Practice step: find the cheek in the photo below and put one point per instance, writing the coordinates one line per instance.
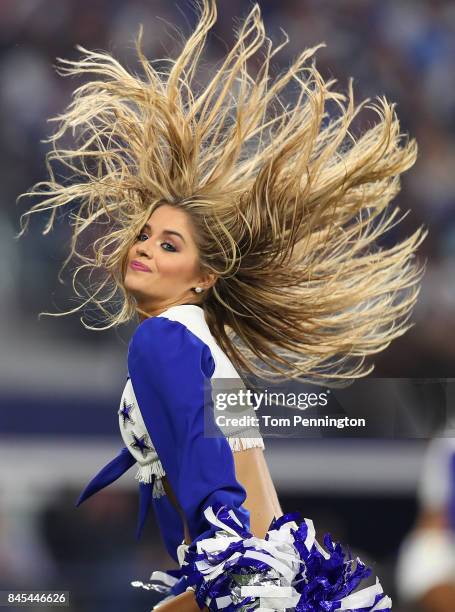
(175, 268)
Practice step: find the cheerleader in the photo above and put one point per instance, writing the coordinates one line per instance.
(239, 231)
(425, 572)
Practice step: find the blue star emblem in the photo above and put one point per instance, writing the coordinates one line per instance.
(125, 412)
(141, 444)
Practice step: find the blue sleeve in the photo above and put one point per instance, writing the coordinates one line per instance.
(169, 366)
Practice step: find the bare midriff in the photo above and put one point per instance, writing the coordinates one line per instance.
(253, 474)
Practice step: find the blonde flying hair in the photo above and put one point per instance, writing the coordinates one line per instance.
(285, 202)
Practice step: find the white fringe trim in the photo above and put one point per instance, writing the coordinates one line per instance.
(238, 444)
(145, 472)
(158, 488)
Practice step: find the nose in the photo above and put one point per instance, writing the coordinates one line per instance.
(144, 248)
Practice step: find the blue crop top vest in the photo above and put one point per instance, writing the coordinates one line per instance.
(161, 420)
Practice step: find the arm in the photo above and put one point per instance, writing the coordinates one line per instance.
(170, 370)
(439, 598)
(185, 602)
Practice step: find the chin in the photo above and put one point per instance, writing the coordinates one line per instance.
(136, 289)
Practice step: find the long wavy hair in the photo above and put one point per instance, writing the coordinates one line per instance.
(287, 205)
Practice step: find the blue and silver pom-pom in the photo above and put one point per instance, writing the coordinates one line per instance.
(287, 570)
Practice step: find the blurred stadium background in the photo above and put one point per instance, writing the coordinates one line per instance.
(60, 384)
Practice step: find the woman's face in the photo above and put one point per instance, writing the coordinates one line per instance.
(166, 249)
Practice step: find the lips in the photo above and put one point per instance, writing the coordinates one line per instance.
(137, 265)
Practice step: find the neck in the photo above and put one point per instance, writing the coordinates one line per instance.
(157, 310)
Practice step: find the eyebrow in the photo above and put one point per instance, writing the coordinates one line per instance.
(166, 231)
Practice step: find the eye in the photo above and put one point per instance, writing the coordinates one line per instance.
(174, 250)
(171, 245)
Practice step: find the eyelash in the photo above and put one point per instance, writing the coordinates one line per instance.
(169, 243)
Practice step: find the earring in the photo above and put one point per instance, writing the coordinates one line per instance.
(198, 289)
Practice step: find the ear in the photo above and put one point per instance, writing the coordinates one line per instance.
(207, 280)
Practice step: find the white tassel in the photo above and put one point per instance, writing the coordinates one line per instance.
(145, 472)
(238, 444)
(158, 488)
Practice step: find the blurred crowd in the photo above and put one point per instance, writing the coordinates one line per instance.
(402, 49)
